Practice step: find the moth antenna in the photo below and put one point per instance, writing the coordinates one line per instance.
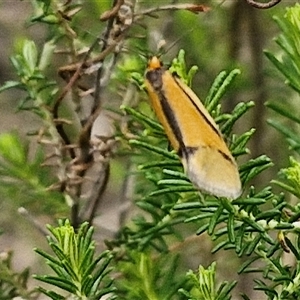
(179, 39)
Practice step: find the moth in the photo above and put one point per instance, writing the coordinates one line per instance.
(192, 132)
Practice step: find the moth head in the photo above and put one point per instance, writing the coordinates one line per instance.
(154, 63)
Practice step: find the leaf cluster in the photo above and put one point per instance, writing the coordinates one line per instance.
(18, 166)
(14, 284)
(77, 270)
(289, 65)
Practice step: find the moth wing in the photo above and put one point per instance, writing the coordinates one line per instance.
(210, 172)
(210, 166)
(194, 134)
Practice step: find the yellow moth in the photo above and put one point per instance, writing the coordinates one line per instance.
(192, 132)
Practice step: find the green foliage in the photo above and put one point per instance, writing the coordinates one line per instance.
(13, 284)
(290, 178)
(17, 168)
(179, 67)
(78, 271)
(290, 134)
(289, 66)
(204, 285)
(145, 277)
(30, 68)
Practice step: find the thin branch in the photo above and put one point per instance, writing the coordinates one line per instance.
(85, 64)
(77, 67)
(40, 227)
(101, 183)
(195, 8)
(269, 4)
(59, 126)
(111, 13)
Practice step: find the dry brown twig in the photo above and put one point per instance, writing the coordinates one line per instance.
(118, 21)
(195, 8)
